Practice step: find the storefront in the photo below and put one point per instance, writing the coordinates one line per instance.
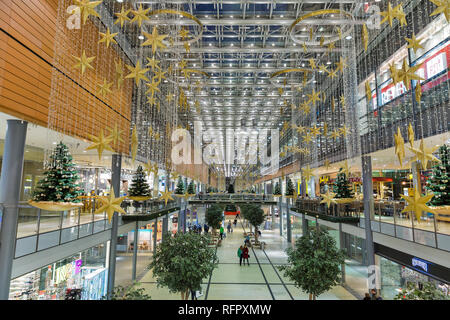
(82, 276)
(397, 269)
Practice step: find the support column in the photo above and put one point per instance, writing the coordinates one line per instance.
(288, 221)
(304, 220)
(272, 225)
(280, 214)
(180, 215)
(135, 251)
(116, 167)
(341, 246)
(155, 235)
(415, 168)
(10, 185)
(368, 215)
(165, 226)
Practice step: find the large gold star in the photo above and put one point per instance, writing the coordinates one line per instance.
(400, 15)
(341, 64)
(134, 143)
(424, 154)
(328, 198)
(307, 173)
(399, 146)
(166, 196)
(137, 73)
(394, 74)
(87, 8)
(407, 74)
(411, 135)
(140, 15)
(314, 130)
(104, 88)
(314, 96)
(100, 143)
(115, 134)
(154, 40)
(414, 43)
(108, 37)
(443, 6)
(388, 15)
(83, 62)
(417, 204)
(122, 16)
(110, 204)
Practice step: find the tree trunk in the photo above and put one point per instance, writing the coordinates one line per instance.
(182, 295)
(187, 294)
(310, 296)
(256, 235)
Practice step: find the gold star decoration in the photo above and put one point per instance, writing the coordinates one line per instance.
(424, 154)
(399, 146)
(310, 34)
(83, 62)
(443, 6)
(305, 49)
(332, 73)
(400, 15)
(166, 196)
(100, 143)
(151, 101)
(365, 36)
(148, 167)
(342, 100)
(323, 68)
(307, 138)
(110, 204)
(153, 63)
(307, 173)
(333, 104)
(170, 97)
(87, 8)
(187, 47)
(325, 129)
(418, 92)
(104, 88)
(314, 130)
(417, 204)
(368, 91)
(119, 73)
(328, 198)
(341, 64)
(312, 63)
(183, 33)
(343, 131)
(122, 16)
(411, 135)
(322, 40)
(305, 107)
(388, 15)
(300, 129)
(331, 46)
(407, 74)
(137, 73)
(152, 87)
(115, 134)
(154, 40)
(394, 74)
(414, 43)
(174, 175)
(140, 15)
(108, 37)
(134, 143)
(335, 134)
(314, 96)
(346, 169)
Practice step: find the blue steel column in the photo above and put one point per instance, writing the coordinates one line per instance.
(304, 220)
(116, 167)
(135, 251)
(288, 221)
(10, 184)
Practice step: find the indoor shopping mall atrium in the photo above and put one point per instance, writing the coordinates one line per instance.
(224, 150)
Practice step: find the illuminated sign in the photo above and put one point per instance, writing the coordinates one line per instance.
(416, 262)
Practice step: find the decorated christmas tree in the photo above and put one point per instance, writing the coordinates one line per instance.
(289, 188)
(277, 188)
(439, 182)
(59, 184)
(191, 188)
(180, 186)
(342, 186)
(139, 186)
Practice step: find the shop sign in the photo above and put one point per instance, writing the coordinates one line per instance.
(416, 262)
(78, 264)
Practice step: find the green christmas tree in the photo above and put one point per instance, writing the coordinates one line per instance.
(342, 186)
(231, 188)
(59, 184)
(139, 186)
(439, 182)
(191, 188)
(289, 188)
(180, 186)
(277, 188)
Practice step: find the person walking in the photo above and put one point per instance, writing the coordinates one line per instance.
(235, 222)
(245, 254)
(229, 230)
(221, 232)
(239, 253)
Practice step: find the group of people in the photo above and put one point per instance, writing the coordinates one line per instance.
(373, 295)
(229, 229)
(243, 254)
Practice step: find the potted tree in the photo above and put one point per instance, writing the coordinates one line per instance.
(191, 188)
(255, 215)
(342, 188)
(214, 217)
(314, 263)
(182, 262)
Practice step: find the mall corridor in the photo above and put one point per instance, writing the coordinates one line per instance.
(261, 280)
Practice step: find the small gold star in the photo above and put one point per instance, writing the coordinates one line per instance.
(154, 40)
(341, 64)
(411, 135)
(100, 143)
(399, 146)
(137, 73)
(104, 88)
(388, 15)
(122, 16)
(166, 196)
(314, 96)
(414, 43)
(108, 37)
(307, 173)
(328, 198)
(134, 144)
(153, 63)
(140, 15)
(110, 204)
(83, 62)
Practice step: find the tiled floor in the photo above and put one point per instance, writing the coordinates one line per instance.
(259, 281)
